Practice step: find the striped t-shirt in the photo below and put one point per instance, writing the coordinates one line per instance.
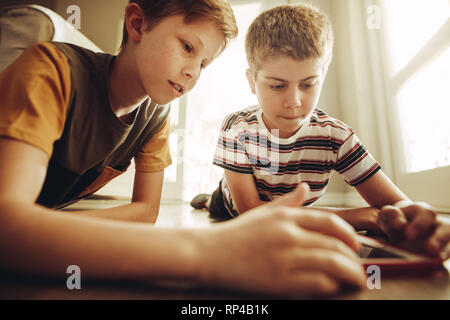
(322, 144)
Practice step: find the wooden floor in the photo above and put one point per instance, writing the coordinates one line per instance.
(182, 215)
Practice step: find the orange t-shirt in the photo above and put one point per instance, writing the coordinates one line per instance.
(54, 97)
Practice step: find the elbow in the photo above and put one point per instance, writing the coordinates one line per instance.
(244, 207)
(12, 208)
(146, 212)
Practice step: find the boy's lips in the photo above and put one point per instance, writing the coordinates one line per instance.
(179, 89)
(292, 118)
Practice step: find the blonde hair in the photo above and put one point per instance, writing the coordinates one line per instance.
(298, 31)
(217, 11)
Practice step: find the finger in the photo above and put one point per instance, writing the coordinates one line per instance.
(403, 203)
(445, 253)
(406, 203)
(295, 198)
(312, 283)
(315, 240)
(412, 209)
(335, 265)
(393, 222)
(364, 219)
(423, 221)
(327, 223)
(439, 242)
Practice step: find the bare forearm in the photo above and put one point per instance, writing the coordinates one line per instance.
(35, 240)
(246, 206)
(365, 218)
(135, 212)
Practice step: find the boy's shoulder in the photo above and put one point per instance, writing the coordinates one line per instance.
(242, 119)
(83, 57)
(40, 52)
(64, 48)
(321, 121)
(67, 55)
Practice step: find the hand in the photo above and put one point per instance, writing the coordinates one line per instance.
(439, 242)
(418, 225)
(283, 250)
(362, 219)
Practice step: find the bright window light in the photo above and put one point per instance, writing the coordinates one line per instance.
(423, 100)
(424, 110)
(410, 24)
(222, 89)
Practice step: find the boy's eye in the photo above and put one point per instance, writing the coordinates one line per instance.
(187, 47)
(307, 85)
(277, 87)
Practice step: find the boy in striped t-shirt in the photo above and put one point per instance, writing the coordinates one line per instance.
(267, 150)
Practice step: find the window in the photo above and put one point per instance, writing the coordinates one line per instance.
(420, 79)
(410, 25)
(424, 107)
(416, 41)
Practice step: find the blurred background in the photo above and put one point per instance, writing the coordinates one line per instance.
(389, 80)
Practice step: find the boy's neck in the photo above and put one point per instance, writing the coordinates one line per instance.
(277, 132)
(124, 88)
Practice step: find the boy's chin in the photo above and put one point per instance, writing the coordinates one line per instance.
(289, 129)
(162, 101)
(292, 124)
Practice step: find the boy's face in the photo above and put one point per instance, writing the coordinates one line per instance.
(170, 57)
(288, 91)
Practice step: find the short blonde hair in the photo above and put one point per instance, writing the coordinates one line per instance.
(298, 31)
(217, 11)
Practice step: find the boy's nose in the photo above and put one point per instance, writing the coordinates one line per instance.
(293, 99)
(192, 72)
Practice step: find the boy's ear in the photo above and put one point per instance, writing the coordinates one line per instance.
(251, 80)
(134, 21)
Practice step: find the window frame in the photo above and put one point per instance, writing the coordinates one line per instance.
(428, 185)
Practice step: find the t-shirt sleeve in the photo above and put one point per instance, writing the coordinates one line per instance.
(34, 96)
(354, 162)
(230, 152)
(155, 155)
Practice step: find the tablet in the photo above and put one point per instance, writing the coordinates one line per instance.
(392, 259)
